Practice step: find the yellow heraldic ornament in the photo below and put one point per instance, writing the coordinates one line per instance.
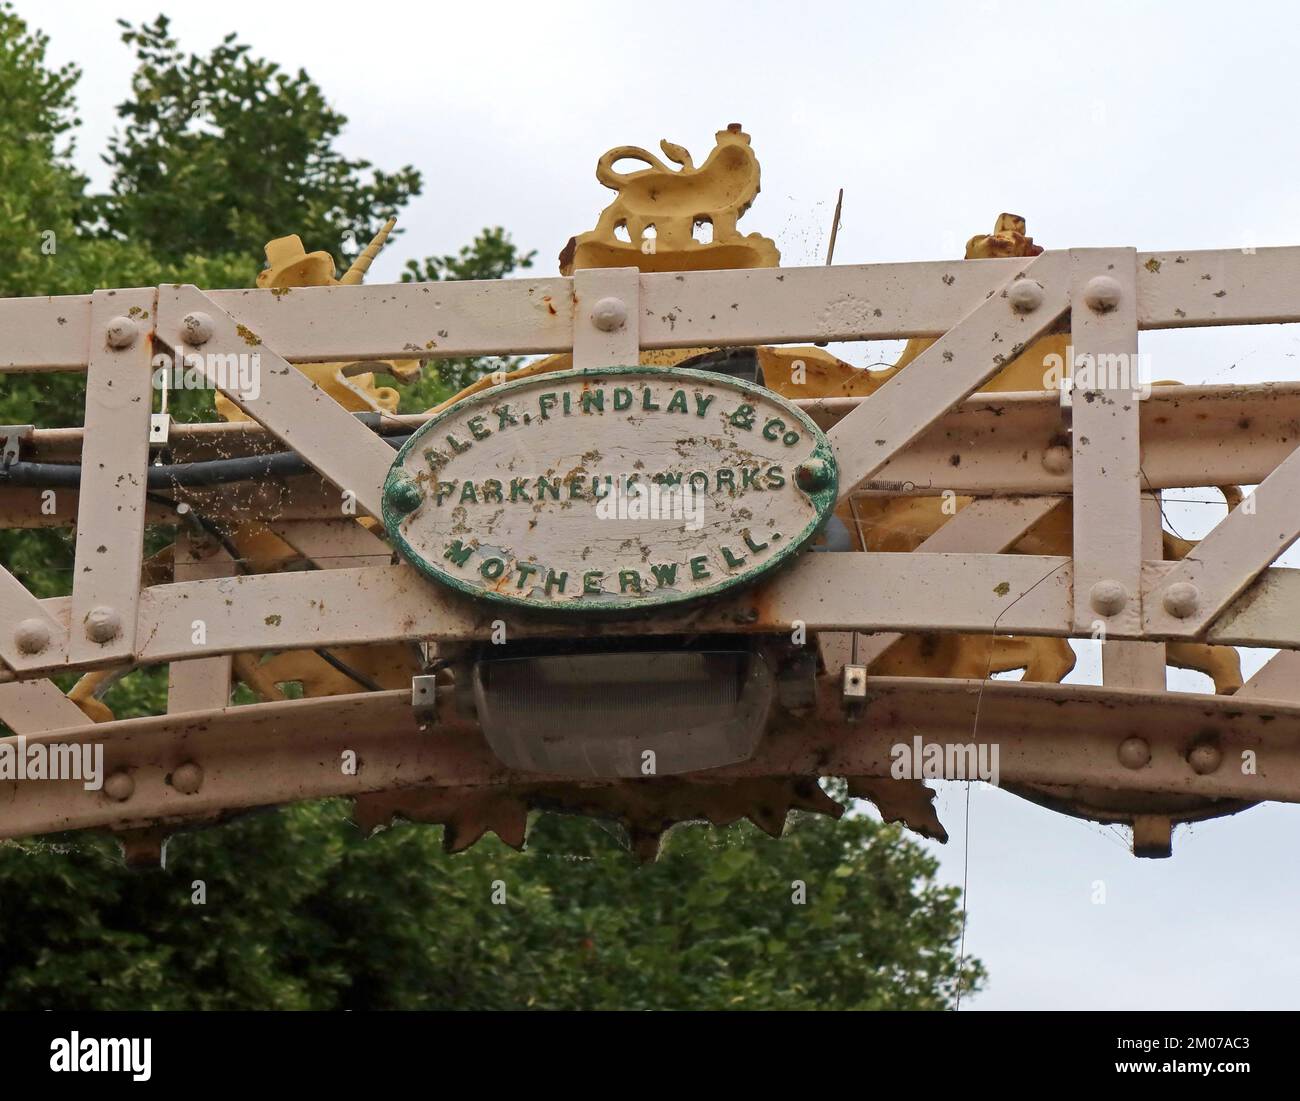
(672, 202)
(289, 267)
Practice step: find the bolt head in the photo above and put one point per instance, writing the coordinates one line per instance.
(1205, 758)
(1025, 295)
(404, 495)
(609, 314)
(1181, 598)
(196, 328)
(1102, 293)
(119, 787)
(812, 475)
(1108, 597)
(31, 636)
(121, 332)
(1057, 459)
(1134, 752)
(103, 624)
(187, 778)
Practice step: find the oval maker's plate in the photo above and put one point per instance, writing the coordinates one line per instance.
(609, 490)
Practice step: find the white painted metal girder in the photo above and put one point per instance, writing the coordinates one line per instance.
(286, 402)
(775, 305)
(987, 525)
(980, 345)
(33, 706)
(114, 458)
(1230, 557)
(263, 754)
(1104, 440)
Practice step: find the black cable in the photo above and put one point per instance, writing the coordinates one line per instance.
(283, 464)
(348, 671)
(740, 362)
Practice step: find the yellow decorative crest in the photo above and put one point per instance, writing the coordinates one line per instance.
(673, 202)
(290, 266)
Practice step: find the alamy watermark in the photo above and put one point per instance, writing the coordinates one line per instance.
(240, 372)
(921, 760)
(82, 761)
(629, 498)
(131, 1055)
(1100, 371)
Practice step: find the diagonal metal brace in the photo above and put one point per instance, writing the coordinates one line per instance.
(284, 400)
(957, 364)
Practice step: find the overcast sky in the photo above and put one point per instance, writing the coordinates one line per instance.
(1151, 125)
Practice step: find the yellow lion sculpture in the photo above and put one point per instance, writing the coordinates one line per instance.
(674, 202)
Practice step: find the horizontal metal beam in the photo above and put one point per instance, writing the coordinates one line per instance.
(963, 593)
(1236, 286)
(771, 305)
(266, 754)
(1011, 444)
(45, 334)
(987, 525)
(1023, 594)
(410, 320)
(991, 444)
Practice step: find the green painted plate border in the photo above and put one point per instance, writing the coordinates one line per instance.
(823, 499)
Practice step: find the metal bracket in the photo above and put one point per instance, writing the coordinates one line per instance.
(853, 692)
(160, 426)
(424, 695)
(11, 437)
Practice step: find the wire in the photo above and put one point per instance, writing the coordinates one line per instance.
(347, 670)
(975, 726)
(208, 473)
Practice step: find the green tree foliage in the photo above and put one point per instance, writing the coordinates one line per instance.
(224, 151)
(220, 153)
(43, 202)
(42, 197)
(301, 913)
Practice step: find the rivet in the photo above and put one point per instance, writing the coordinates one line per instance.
(1102, 293)
(1057, 459)
(404, 494)
(1108, 597)
(1134, 752)
(1026, 295)
(196, 328)
(187, 778)
(812, 475)
(103, 624)
(119, 787)
(1181, 598)
(121, 332)
(31, 636)
(609, 314)
(1205, 758)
